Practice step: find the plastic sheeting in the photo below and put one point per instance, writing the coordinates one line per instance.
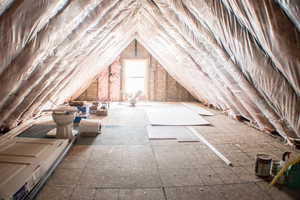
(292, 9)
(240, 56)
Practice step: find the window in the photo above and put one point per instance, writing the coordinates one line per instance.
(135, 71)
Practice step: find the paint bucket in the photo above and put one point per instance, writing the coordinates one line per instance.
(276, 167)
(263, 165)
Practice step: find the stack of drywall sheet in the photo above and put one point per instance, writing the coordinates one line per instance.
(24, 161)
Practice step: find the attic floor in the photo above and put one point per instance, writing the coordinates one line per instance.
(122, 164)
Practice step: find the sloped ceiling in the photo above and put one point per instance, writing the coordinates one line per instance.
(240, 56)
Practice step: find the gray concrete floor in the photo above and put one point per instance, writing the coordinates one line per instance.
(122, 164)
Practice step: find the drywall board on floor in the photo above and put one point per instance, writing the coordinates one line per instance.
(189, 137)
(174, 116)
(136, 105)
(179, 133)
(159, 104)
(196, 107)
(163, 132)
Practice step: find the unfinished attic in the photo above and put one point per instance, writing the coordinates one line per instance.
(150, 99)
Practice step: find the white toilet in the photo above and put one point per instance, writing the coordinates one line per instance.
(64, 122)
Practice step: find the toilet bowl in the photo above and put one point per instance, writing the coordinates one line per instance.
(64, 123)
